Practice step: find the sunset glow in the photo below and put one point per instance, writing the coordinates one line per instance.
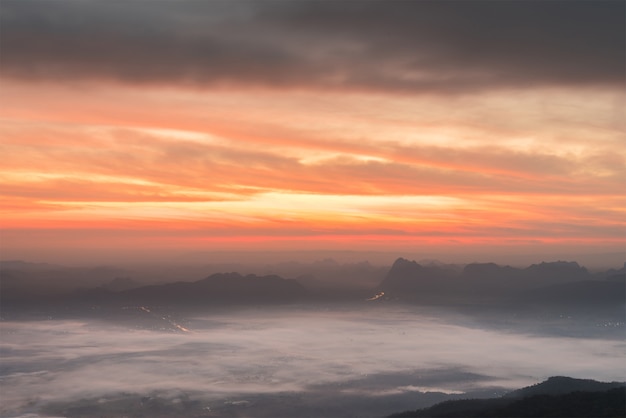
(352, 147)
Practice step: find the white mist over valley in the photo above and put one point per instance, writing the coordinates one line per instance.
(286, 350)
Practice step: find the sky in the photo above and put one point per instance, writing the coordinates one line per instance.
(441, 127)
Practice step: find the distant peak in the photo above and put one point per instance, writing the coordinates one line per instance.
(403, 266)
(562, 379)
(482, 266)
(431, 262)
(326, 262)
(558, 385)
(403, 261)
(557, 264)
(223, 276)
(485, 268)
(558, 267)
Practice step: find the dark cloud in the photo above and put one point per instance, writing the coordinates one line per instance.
(451, 46)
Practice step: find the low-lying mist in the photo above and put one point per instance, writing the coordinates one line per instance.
(363, 359)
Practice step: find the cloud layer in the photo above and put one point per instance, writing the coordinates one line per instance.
(321, 353)
(437, 47)
(312, 124)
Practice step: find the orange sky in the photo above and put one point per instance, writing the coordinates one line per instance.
(101, 163)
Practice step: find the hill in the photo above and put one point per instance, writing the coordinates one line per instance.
(560, 385)
(220, 288)
(556, 284)
(559, 397)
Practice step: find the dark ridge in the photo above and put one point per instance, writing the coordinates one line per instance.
(559, 397)
(220, 288)
(605, 293)
(488, 270)
(560, 385)
(412, 280)
(548, 285)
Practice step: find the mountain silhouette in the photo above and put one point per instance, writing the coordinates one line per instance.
(220, 288)
(408, 279)
(555, 272)
(215, 290)
(589, 293)
(489, 271)
(558, 397)
(547, 285)
(560, 283)
(560, 385)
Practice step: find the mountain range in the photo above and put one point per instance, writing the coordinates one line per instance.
(554, 284)
(559, 284)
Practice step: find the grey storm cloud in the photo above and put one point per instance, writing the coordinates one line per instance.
(445, 47)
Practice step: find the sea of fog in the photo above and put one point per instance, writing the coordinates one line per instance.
(358, 360)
